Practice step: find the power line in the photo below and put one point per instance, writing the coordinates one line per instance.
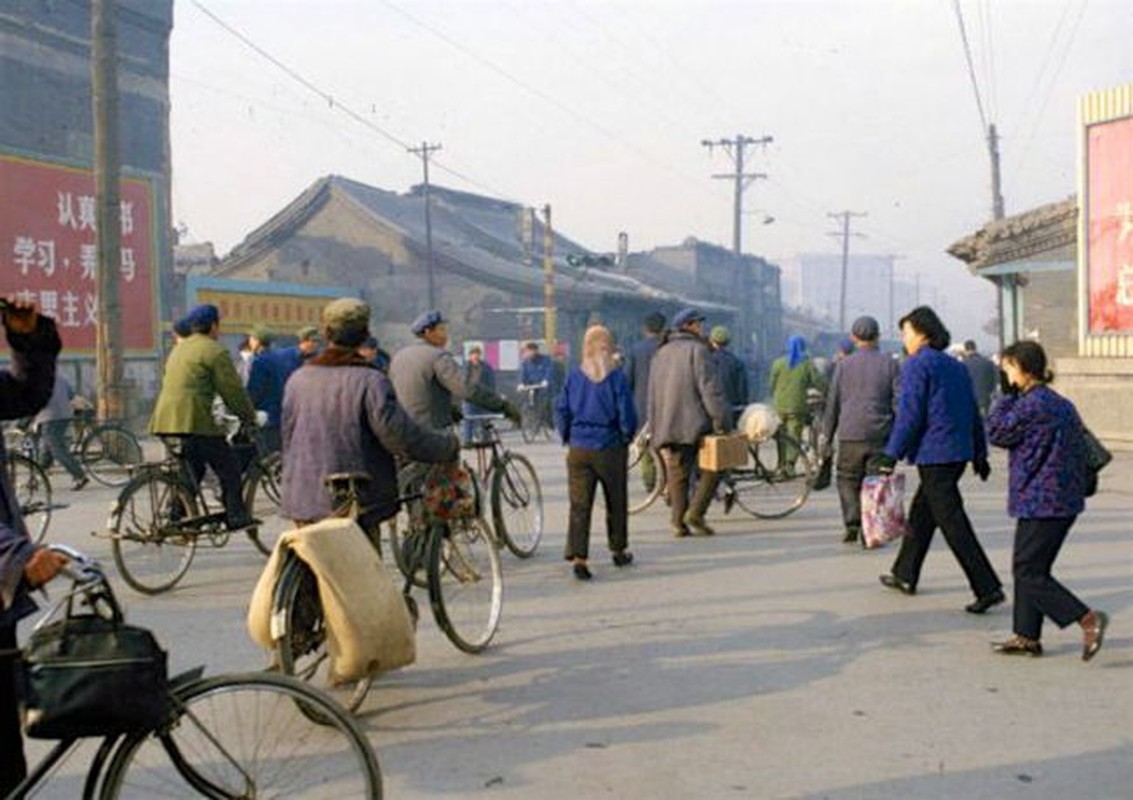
(735, 149)
(971, 67)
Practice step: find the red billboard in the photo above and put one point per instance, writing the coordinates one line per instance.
(49, 251)
(1109, 225)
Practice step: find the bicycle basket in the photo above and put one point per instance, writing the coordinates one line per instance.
(449, 492)
(88, 675)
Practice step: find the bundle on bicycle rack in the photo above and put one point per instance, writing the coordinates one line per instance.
(758, 422)
(449, 492)
(368, 627)
(91, 674)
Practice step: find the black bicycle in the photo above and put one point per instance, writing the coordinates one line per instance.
(535, 411)
(108, 451)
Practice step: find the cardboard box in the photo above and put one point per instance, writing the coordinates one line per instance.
(725, 451)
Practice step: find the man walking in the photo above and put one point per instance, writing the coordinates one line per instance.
(685, 402)
(638, 362)
(53, 423)
(859, 410)
(984, 375)
(733, 373)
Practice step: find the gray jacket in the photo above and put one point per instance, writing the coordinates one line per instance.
(344, 417)
(862, 396)
(59, 406)
(428, 380)
(985, 378)
(686, 397)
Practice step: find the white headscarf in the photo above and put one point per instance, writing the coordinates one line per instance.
(597, 353)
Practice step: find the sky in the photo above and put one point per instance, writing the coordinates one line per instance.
(601, 107)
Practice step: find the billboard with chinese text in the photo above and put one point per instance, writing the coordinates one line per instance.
(49, 250)
(1109, 225)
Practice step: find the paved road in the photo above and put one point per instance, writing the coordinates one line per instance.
(764, 662)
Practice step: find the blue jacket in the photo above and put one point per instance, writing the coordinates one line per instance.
(595, 416)
(1043, 433)
(270, 371)
(937, 419)
(537, 369)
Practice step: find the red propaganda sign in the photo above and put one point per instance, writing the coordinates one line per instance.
(49, 253)
(1109, 225)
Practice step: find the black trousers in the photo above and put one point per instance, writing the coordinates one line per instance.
(680, 461)
(1037, 593)
(213, 451)
(852, 458)
(13, 767)
(586, 469)
(938, 504)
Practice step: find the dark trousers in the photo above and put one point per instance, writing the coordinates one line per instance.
(54, 435)
(1037, 593)
(852, 458)
(13, 767)
(680, 461)
(938, 504)
(213, 451)
(586, 469)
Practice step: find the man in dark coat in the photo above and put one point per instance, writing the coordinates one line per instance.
(24, 389)
(984, 375)
(477, 372)
(639, 359)
(686, 402)
(733, 373)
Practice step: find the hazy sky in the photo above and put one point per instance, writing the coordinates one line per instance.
(599, 108)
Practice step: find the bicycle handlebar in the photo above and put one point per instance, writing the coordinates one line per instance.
(484, 417)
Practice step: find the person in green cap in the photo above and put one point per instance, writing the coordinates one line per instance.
(732, 372)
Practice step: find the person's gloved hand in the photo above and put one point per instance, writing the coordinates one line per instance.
(881, 464)
(511, 411)
(981, 468)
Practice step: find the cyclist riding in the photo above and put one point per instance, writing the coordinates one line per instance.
(537, 372)
(199, 368)
(340, 415)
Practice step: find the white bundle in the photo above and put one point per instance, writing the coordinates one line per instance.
(758, 422)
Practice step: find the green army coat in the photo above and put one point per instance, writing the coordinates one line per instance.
(198, 369)
(789, 386)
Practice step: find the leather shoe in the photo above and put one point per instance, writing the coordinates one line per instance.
(623, 558)
(891, 581)
(582, 572)
(982, 604)
(1093, 636)
(850, 536)
(680, 533)
(1018, 646)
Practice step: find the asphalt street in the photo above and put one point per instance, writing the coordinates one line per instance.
(764, 662)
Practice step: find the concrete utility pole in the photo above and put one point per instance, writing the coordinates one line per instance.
(997, 211)
(845, 235)
(424, 151)
(735, 150)
(111, 401)
(550, 320)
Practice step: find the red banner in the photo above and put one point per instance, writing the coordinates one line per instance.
(49, 253)
(1109, 225)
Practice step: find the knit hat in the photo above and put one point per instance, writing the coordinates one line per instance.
(720, 335)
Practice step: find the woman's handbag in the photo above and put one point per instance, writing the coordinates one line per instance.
(1096, 458)
(883, 509)
(88, 675)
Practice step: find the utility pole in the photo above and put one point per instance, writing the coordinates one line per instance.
(1004, 282)
(424, 151)
(107, 166)
(549, 312)
(845, 234)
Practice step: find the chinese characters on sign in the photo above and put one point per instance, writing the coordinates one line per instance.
(49, 250)
(1109, 225)
(281, 312)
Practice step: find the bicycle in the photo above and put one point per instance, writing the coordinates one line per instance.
(647, 473)
(534, 411)
(162, 513)
(229, 736)
(515, 496)
(457, 560)
(32, 488)
(775, 484)
(108, 451)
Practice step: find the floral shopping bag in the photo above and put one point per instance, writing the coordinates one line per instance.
(883, 509)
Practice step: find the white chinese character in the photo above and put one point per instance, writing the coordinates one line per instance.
(25, 296)
(128, 268)
(126, 210)
(1125, 217)
(1125, 285)
(66, 206)
(69, 314)
(23, 250)
(45, 251)
(88, 260)
(90, 309)
(49, 303)
(87, 213)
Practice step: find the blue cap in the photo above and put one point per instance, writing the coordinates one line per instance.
(685, 316)
(181, 327)
(203, 317)
(430, 319)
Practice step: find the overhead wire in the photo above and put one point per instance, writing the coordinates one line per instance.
(971, 66)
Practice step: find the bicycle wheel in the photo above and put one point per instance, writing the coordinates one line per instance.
(151, 551)
(33, 493)
(646, 479)
(301, 644)
(517, 505)
(243, 736)
(529, 427)
(769, 489)
(466, 583)
(261, 496)
(110, 453)
(406, 542)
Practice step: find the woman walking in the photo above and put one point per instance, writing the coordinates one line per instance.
(1046, 492)
(938, 428)
(596, 420)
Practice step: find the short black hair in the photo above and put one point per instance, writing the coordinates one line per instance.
(654, 322)
(924, 321)
(1031, 359)
(370, 344)
(970, 345)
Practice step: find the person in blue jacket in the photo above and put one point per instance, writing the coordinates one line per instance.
(596, 420)
(938, 428)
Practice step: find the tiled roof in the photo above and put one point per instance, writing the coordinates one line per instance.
(1020, 237)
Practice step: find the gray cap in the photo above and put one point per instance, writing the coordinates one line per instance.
(866, 329)
(347, 313)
